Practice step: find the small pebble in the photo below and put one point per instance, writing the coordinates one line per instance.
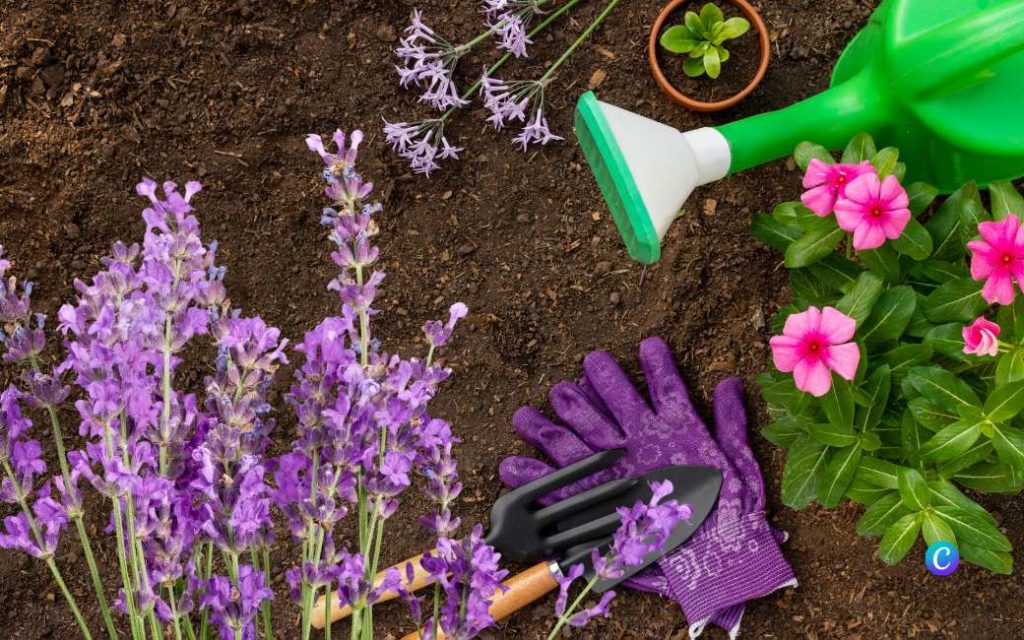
(615, 297)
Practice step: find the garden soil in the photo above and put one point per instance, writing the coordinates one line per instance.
(96, 94)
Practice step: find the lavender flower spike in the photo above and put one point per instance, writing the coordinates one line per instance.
(438, 334)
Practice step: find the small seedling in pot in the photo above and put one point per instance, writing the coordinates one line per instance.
(701, 37)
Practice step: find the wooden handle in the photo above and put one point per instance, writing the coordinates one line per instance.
(522, 590)
(420, 579)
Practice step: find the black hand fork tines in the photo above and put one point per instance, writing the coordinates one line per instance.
(522, 530)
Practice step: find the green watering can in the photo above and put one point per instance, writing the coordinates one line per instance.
(942, 80)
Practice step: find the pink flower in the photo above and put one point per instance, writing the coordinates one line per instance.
(981, 337)
(873, 210)
(998, 258)
(815, 343)
(826, 182)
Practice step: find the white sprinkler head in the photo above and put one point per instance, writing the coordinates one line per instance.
(645, 169)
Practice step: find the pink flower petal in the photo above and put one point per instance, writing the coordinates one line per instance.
(836, 326)
(820, 200)
(787, 351)
(812, 376)
(863, 189)
(998, 288)
(798, 325)
(893, 194)
(817, 173)
(849, 214)
(868, 236)
(894, 222)
(843, 359)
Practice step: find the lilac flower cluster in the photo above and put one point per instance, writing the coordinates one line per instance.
(421, 143)
(508, 102)
(644, 530)
(510, 22)
(428, 61)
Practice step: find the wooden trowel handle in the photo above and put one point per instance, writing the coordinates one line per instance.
(521, 590)
(420, 579)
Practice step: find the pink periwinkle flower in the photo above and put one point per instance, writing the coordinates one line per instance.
(981, 337)
(873, 210)
(998, 258)
(825, 183)
(815, 343)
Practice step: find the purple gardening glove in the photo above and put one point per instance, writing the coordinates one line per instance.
(734, 556)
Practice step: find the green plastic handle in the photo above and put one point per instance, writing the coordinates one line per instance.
(945, 57)
(830, 119)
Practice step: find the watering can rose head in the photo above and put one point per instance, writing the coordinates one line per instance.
(815, 343)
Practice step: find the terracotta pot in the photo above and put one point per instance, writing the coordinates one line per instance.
(652, 54)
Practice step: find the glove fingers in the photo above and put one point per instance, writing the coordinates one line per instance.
(595, 427)
(515, 471)
(668, 391)
(559, 444)
(593, 396)
(610, 382)
(731, 435)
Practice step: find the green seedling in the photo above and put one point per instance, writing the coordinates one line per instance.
(701, 37)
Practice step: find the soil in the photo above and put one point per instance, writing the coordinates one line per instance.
(94, 95)
(737, 71)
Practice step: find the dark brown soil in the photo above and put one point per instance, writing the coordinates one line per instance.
(94, 95)
(737, 71)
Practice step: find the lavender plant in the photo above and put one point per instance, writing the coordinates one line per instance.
(429, 63)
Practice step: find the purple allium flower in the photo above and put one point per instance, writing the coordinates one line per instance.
(421, 143)
(518, 101)
(232, 606)
(428, 62)
(510, 21)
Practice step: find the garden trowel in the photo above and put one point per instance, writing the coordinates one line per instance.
(523, 530)
(939, 79)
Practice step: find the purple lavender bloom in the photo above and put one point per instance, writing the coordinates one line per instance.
(428, 62)
(510, 21)
(438, 334)
(234, 607)
(421, 143)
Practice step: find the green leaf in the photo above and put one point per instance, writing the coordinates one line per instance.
(1009, 446)
(861, 296)
(801, 477)
(883, 261)
(999, 562)
(1005, 199)
(693, 67)
(899, 538)
(947, 225)
(921, 196)
(1010, 319)
(880, 515)
(773, 233)
(931, 415)
(885, 161)
(880, 473)
(833, 435)
(836, 271)
(934, 529)
(951, 441)
(712, 63)
(915, 241)
(838, 403)
(942, 387)
(978, 452)
(972, 212)
(974, 530)
(734, 28)
(710, 15)
(679, 39)
(955, 301)
(876, 391)
(784, 432)
(945, 493)
(906, 356)
(992, 477)
(816, 243)
(870, 441)
(807, 151)
(838, 475)
(912, 436)
(890, 316)
(723, 53)
(947, 339)
(864, 492)
(860, 148)
(1005, 402)
(694, 23)
(938, 271)
(1010, 367)
(913, 489)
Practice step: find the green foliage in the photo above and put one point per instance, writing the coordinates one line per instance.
(921, 420)
(701, 38)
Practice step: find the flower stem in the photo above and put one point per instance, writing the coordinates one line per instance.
(268, 630)
(564, 618)
(174, 611)
(70, 598)
(575, 45)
